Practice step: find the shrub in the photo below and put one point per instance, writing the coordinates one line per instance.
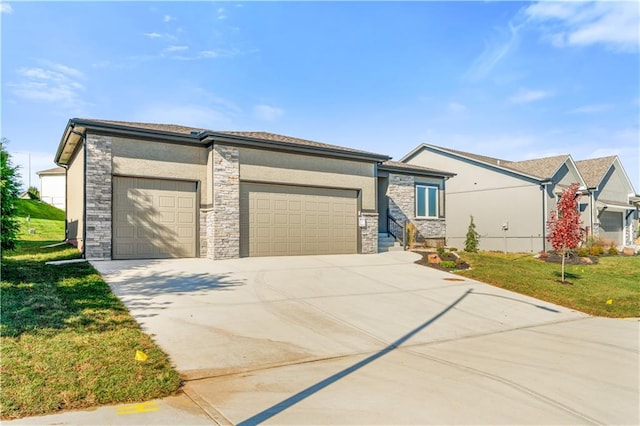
(440, 251)
(596, 250)
(449, 264)
(33, 193)
(472, 238)
(613, 251)
(411, 234)
(583, 252)
(453, 249)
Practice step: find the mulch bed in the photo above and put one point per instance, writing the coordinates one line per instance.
(447, 256)
(571, 259)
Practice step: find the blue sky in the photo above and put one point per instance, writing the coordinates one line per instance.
(513, 80)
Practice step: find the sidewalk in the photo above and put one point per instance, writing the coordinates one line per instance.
(174, 410)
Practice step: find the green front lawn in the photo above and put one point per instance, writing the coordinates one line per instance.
(66, 341)
(615, 279)
(37, 210)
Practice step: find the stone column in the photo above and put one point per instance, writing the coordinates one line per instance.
(369, 234)
(223, 222)
(98, 191)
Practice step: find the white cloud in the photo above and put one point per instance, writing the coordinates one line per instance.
(615, 24)
(56, 83)
(494, 52)
(6, 8)
(176, 49)
(222, 13)
(526, 96)
(153, 35)
(267, 112)
(169, 18)
(456, 107)
(591, 109)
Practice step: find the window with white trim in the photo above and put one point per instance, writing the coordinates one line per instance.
(426, 201)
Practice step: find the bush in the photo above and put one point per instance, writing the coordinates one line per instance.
(33, 193)
(596, 250)
(440, 251)
(613, 251)
(449, 264)
(472, 238)
(453, 249)
(583, 252)
(411, 234)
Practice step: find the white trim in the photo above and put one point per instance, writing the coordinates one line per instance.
(437, 207)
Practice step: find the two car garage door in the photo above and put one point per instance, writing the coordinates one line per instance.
(278, 220)
(155, 218)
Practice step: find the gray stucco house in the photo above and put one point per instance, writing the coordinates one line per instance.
(141, 190)
(613, 204)
(510, 200)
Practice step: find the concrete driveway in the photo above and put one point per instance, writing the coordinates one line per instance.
(376, 339)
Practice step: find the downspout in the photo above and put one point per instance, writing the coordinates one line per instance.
(84, 192)
(66, 199)
(544, 186)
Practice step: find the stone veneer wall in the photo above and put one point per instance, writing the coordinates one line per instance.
(401, 193)
(98, 197)
(369, 235)
(202, 218)
(223, 221)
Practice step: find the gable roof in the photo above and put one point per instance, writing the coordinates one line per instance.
(201, 136)
(398, 167)
(53, 171)
(540, 169)
(593, 170)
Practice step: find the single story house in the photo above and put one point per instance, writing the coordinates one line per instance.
(613, 203)
(510, 201)
(141, 190)
(53, 186)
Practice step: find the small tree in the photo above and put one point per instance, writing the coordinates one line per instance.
(564, 226)
(9, 192)
(472, 239)
(33, 193)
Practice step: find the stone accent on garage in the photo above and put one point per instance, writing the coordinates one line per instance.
(98, 197)
(223, 222)
(401, 193)
(369, 234)
(202, 234)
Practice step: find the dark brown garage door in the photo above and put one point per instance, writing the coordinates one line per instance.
(153, 218)
(278, 220)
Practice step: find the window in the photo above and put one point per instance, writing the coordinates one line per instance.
(426, 201)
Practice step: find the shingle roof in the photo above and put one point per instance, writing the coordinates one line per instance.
(264, 136)
(594, 169)
(542, 167)
(414, 168)
(53, 171)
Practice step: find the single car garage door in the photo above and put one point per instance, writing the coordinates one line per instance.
(153, 218)
(611, 226)
(278, 220)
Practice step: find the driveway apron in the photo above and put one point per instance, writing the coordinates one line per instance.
(376, 339)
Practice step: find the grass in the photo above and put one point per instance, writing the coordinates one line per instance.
(37, 210)
(615, 278)
(66, 341)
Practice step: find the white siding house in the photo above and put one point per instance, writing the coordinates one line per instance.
(52, 187)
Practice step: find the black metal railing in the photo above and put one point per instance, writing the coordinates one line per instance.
(396, 229)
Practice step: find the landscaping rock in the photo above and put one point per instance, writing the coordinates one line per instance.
(433, 258)
(628, 251)
(586, 261)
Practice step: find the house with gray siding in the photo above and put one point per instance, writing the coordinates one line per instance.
(510, 201)
(613, 203)
(145, 190)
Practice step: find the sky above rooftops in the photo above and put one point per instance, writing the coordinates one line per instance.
(512, 80)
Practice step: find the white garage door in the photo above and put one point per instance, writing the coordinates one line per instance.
(611, 226)
(277, 220)
(153, 218)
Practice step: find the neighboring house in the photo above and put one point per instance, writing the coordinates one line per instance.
(613, 211)
(52, 186)
(509, 201)
(140, 190)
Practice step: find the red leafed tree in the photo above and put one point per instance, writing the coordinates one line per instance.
(564, 225)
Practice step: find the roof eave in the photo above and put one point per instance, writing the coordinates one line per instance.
(409, 171)
(213, 137)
